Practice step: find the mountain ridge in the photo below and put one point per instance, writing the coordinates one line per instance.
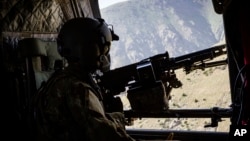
(147, 28)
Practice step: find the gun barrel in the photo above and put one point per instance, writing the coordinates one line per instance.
(213, 52)
(188, 60)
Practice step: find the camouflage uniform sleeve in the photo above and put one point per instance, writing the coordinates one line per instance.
(88, 112)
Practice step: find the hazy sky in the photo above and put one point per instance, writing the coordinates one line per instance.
(106, 3)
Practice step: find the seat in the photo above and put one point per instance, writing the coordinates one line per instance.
(39, 61)
(40, 57)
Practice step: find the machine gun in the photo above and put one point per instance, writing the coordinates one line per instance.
(150, 81)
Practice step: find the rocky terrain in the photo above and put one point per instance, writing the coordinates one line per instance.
(201, 90)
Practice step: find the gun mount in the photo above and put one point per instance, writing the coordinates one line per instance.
(150, 81)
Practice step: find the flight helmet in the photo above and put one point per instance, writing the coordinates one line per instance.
(86, 41)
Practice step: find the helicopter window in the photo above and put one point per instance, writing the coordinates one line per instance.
(147, 28)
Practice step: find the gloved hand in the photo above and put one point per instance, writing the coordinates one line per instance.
(118, 118)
